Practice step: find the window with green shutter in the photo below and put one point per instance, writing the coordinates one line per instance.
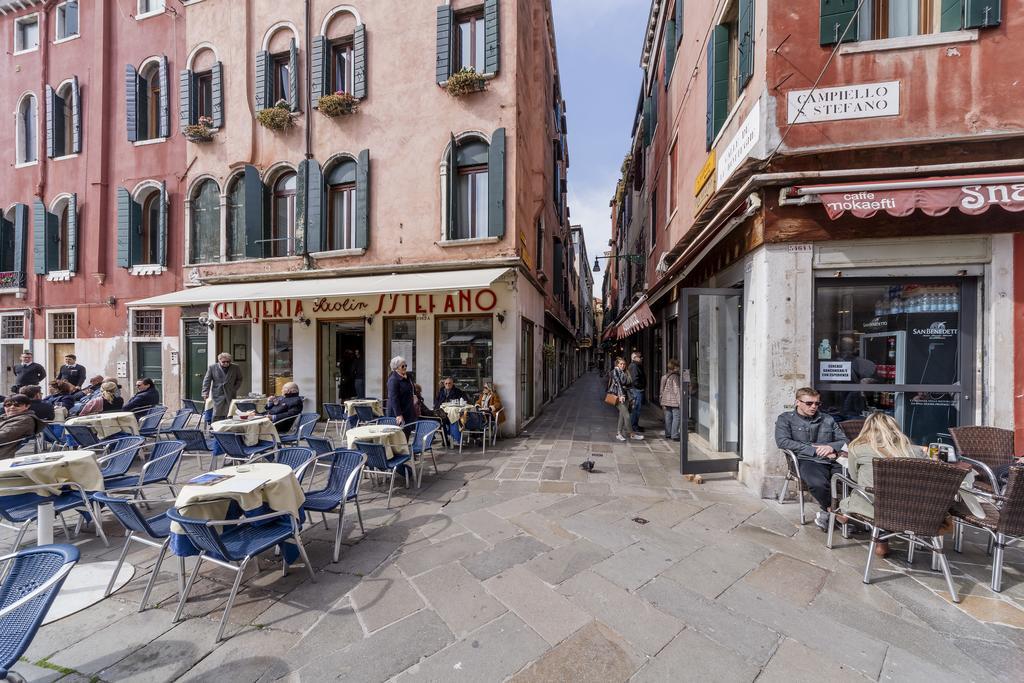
(884, 19)
(468, 186)
(717, 66)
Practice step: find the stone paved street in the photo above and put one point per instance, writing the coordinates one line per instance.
(517, 565)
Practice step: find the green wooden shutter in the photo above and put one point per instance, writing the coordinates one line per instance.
(679, 21)
(53, 245)
(255, 246)
(444, 42)
(450, 190)
(293, 76)
(124, 228)
(492, 37)
(670, 49)
(982, 13)
(951, 15)
(20, 236)
(496, 185)
(131, 87)
(263, 81)
(654, 111)
(165, 99)
(835, 15)
(319, 77)
(217, 88)
(746, 43)
(72, 245)
(359, 74)
(718, 81)
(161, 225)
(648, 128)
(50, 113)
(6, 245)
(185, 98)
(40, 245)
(76, 113)
(363, 200)
(309, 209)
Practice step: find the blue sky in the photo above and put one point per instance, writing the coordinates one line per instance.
(599, 44)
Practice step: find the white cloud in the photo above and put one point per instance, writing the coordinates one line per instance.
(588, 207)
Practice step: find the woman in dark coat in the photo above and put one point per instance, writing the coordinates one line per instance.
(401, 395)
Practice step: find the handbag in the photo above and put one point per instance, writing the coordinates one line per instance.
(611, 398)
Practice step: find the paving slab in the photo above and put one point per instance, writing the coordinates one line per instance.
(788, 578)
(458, 598)
(796, 662)
(362, 557)
(426, 558)
(636, 565)
(692, 656)
(518, 550)
(492, 653)
(712, 569)
(167, 657)
(593, 653)
(383, 598)
(668, 513)
(336, 629)
(600, 532)
(565, 562)
(636, 620)
(301, 608)
(488, 526)
(105, 647)
(544, 529)
(247, 656)
(546, 612)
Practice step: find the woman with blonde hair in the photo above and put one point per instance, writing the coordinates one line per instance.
(620, 382)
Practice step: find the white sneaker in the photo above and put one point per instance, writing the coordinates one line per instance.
(821, 520)
(637, 437)
(620, 437)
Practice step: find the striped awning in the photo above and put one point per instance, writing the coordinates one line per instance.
(637, 318)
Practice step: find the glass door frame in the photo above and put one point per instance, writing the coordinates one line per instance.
(683, 321)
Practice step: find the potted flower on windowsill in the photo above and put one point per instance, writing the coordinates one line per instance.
(465, 81)
(549, 351)
(338, 104)
(201, 131)
(277, 118)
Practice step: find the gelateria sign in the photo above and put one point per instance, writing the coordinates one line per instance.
(457, 302)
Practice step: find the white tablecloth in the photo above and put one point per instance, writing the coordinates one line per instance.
(252, 430)
(107, 424)
(77, 466)
(393, 438)
(279, 489)
(350, 406)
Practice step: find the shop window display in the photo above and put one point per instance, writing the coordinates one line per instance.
(466, 352)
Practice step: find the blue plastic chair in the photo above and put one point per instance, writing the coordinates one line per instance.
(29, 587)
(81, 436)
(304, 426)
(364, 414)
(320, 445)
(178, 421)
(233, 547)
(19, 508)
(53, 437)
(154, 532)
(149, 425)
(421, 442)
(119, 458)
(476, 423)
(378, 463)
(337, 416)
(163, 461)
(197, 408)
(196, 443)
(342, 487)
(296, 458)
(233, 447)
(387, 421)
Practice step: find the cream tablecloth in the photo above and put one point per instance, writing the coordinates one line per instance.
(252, 430)
(279, 490)
(233, 410)
(72, 466)
(454, 411)
(393, 438)
(350, 406)
(107, 424)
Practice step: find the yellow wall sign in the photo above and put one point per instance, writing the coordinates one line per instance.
(707, 171)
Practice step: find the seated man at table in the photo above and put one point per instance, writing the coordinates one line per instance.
(285, 408)
(41, 409)
(61, 394)
(89, 392)
(146, 396)
(17, 424)
(817, 441)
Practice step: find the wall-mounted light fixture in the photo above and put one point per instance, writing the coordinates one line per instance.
(501, 317)
(369, 319)
(205, 322)
(303, 320)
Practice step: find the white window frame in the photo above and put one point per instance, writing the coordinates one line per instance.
(17, 25)
(161, 6)
(57, 22)
(20, 150)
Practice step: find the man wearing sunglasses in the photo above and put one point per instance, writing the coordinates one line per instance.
(817, 441)
(17, 424)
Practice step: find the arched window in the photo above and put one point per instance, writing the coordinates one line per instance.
(63, 118)
(28, 130)
(470, 205)
(277, 72)
(339, 55)
(60, 259)
(282, 229)
(341, 206)
(149, 228)
(149, 102)
(205, 223)
(67, 116)
(236, 218)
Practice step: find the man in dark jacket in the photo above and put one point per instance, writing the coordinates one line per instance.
(39, 407)
(89, 392)
(72, 372)
(448, 392)
(817, 441)
(285, 408)
(17, 424)
(146, 396)
(27, 372)
(637, 388)
(222, 381)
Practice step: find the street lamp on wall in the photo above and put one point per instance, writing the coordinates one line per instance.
(632, 258)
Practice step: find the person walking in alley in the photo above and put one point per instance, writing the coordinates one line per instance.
(669, 397)
(817, 441)
(619, 386)
(638, 379)
(222, 382)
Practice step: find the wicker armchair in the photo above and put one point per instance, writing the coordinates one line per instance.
(793, 474)
(1003, 521)
(852, 428)
(912, 496)
(985, 448)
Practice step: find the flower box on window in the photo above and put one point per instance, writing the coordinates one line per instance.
(465, 82)
(277, 118)
(199, 132)
(338, 104)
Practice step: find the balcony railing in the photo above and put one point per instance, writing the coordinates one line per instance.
(12, 279)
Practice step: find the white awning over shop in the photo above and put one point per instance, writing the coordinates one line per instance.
(328, 287)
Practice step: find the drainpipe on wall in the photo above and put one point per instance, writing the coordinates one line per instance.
(44, 74)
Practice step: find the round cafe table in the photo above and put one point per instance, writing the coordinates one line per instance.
(107, 424)
(253, 430)
(392, 438)
(87, 583)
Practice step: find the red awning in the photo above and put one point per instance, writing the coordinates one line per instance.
(636, 319)
(972, 195)
(611, 333)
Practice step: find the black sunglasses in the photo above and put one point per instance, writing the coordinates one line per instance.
(811, 403)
